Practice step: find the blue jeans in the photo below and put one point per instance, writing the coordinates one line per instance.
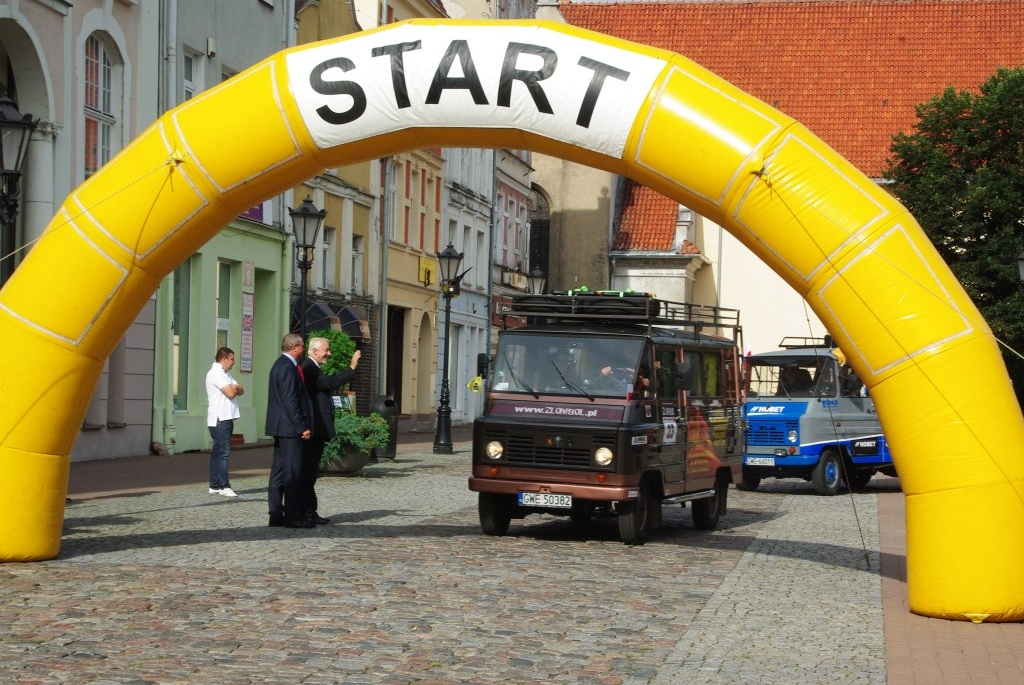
(221, 437)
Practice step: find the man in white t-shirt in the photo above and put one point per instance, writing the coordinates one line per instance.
(222, 392)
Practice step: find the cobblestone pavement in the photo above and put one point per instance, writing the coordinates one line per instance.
(185, 587)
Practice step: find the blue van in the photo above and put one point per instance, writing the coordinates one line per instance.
(808, 416)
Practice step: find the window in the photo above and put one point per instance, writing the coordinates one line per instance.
(100, 118)
(223, 325)
(414, 216)
(182, 286)
(356, 277)
(390, 204)
(189, 75)
(328, 259)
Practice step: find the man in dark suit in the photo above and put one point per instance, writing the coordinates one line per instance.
(321, 388)
(290, 421)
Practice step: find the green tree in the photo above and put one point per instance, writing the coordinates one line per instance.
(961, 174)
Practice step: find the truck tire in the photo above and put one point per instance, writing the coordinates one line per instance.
(634, 518)
(494, 513)
(749, 482)
(706, 512)
(827, 473)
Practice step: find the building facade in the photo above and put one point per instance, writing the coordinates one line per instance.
(86, 71)
(233, 291)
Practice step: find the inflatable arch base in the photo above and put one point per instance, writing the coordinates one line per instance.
(850, 249)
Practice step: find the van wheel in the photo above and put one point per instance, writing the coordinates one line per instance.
(826, 474)
(706, 512)
(494, 513)
(858, 479)
(634, 519)
(749, 482)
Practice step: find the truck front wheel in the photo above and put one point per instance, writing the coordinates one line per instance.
(634, 518)
(827, 473)
(495, 514)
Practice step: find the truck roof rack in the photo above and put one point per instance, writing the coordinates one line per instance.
(604, 306)
(795, 342)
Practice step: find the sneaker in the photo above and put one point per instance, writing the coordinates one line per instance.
(227, 492)
(214, 491)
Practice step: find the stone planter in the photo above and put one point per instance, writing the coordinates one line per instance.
(352, 461)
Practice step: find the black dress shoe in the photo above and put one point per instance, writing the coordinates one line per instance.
(276, 522)
(320, 520)
(299, 524)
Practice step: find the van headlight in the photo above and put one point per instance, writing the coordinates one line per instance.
(603, 456)
(791, 436)
(494, 450)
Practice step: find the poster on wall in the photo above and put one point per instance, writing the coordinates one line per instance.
(245, 365)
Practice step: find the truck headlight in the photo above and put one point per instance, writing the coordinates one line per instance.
(603, 456)
(494, 450)
(791, 436)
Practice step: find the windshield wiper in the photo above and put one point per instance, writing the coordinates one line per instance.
(519, 381)
(569, 384)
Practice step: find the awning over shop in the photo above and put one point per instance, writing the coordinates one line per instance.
(320, 316)
(353, 321)
(348, 318)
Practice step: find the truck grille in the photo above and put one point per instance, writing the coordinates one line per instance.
(766, 434)
(550, 451)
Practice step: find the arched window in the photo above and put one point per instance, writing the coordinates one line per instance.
(102, 102)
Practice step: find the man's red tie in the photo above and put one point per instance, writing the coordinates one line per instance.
(302, 376)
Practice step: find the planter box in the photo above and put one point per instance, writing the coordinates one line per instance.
(351, 462)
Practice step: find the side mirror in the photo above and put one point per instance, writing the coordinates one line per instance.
(483, 362)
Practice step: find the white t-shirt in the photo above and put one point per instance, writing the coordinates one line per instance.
(220, 406)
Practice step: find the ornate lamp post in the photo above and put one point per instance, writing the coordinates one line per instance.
(15, 130)
(306, 222)
(535, 282)
(449, 262)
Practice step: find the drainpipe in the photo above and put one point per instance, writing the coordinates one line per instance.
(164, 430)
(490, 248)
(383, 226)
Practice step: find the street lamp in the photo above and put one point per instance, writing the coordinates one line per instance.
(536, 281)
(306, 222)
(15, 130)
(1020, 266)
(449, 262)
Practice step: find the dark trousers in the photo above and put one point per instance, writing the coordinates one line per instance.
(286, 493)
(312, 450)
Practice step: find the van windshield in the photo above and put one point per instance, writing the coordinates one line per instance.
(788, 377)
(549, 364)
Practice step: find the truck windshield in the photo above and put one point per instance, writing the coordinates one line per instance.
(564, 365)
(792, 377)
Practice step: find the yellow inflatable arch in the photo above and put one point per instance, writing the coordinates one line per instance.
(854, 253)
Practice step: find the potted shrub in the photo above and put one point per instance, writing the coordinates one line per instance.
(349, 450)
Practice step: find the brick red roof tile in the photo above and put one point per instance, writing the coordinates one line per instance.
(852, 71)
(647, 220)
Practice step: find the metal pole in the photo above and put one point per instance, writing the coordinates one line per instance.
(443, 434)
(304, 269)
(8, 218)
